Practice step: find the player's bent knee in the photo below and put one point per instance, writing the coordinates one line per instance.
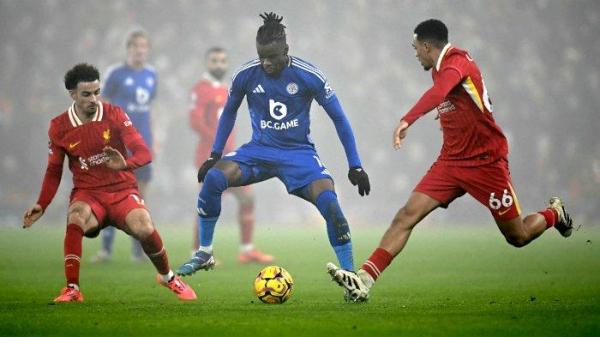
(215, 181)
(516, 241)
(79, 215)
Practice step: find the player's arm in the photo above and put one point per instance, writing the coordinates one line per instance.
(140, 153)
(198, 115)
(325, 96)
(56, 157)
(447, 79)
(226, 123)
(356, 174)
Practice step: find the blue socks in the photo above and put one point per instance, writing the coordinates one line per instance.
(338, 230)
(209, 205)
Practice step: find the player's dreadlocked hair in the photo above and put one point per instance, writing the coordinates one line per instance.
(272, 29)
(433, 31)
(81, 72)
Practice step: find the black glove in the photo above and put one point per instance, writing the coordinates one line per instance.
(210, 162)
(358, 176)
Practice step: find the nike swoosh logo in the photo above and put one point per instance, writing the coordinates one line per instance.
(503, 212)
(72, 145)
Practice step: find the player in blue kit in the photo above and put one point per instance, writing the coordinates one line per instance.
(279, 90)
(132, 86)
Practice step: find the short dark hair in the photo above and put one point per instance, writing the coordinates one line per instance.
(272, 29)
(214, 49)
(433, 31)
(81, 72)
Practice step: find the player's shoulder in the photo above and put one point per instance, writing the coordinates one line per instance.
(455, 54)
(307, 69)
(245, 70)
(111, 111)
(63, 122)
(114, 69)
(150, 69)
(60, 123)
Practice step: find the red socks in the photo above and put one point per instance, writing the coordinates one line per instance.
(377, 263)
(153, 247)
(72, 251)
(550, 215)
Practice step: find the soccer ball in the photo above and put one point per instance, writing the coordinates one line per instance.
(273, 285)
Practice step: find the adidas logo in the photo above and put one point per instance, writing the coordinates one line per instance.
(258, 90)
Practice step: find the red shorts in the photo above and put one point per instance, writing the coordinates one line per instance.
(490, 184)
(110, 207)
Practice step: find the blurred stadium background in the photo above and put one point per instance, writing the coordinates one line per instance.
(539, 60)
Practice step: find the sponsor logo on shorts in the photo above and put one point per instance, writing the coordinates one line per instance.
(503, 212)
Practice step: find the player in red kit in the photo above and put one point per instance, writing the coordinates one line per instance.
(208, 99)
(95, 137)
(473, 160)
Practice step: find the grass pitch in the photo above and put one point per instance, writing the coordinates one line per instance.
(447, 282)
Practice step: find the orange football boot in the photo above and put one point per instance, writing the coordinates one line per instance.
(68, 294)
(255, 256)
(181, 289)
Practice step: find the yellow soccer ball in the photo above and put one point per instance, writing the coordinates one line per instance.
(273, 285)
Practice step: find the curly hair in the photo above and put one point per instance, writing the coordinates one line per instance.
(81, 72)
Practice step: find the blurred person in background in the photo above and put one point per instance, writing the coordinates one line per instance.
(132, 86)
(208, 98)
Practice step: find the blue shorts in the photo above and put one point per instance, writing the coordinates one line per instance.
(144, 173)
(296, 168)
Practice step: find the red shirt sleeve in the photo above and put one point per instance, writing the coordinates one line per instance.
(140, 153)
(56, 157)
(446, 80)
(198, 123)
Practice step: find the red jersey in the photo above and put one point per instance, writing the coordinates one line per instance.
(208, 99)
(471, 136)
(83, 144)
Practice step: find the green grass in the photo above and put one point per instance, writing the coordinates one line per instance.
(448, 282)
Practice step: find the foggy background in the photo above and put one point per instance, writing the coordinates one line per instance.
(540, 61)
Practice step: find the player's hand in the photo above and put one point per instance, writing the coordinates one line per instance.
(115, 161)
(210, 162)
(32, 215)
(358, 176)
(400, 133)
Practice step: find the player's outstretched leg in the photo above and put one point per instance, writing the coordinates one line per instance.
(520, 232)
(139, 225)
(248, 252)
(393, 241)
(209, 209)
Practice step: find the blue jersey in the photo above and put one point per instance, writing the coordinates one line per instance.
(280, 107)
(133, 90)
